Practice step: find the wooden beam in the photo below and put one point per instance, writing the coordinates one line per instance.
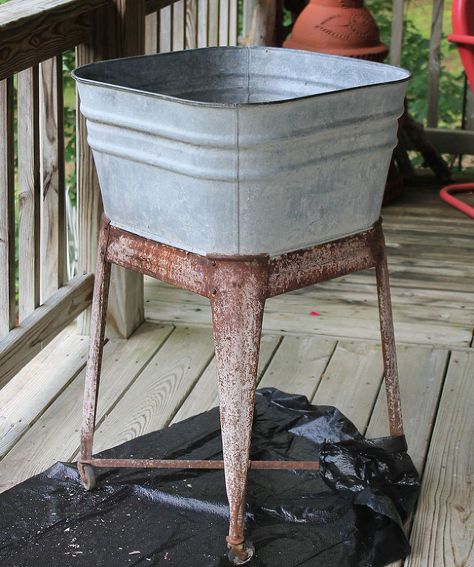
(7, 210)
(448, 141)
(155, 5)
(33, 14)
(32, 31)
(25, 341)
(123, 36)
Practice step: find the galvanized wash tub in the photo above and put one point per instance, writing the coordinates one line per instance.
(245, 151)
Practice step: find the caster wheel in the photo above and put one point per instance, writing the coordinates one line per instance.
(241, 554)
(87, 477)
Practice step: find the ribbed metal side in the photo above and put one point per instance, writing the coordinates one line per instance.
(271, 151)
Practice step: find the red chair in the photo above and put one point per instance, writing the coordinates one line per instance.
(463, 37)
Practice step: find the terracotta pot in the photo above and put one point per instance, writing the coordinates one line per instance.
(340, 27)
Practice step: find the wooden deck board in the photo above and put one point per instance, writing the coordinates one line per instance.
(443, 533)
(205, 396)
(349, 317)
(298, 365)
(154, 397)
(421, 372)
(430, 247)
(55, 435)
(352, 381)
(166, 373)
(33, 389)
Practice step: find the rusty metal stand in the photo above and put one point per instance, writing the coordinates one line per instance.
(237, 288)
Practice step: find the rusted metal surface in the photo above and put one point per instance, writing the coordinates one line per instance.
(239, 290)
(168, 264)
(388, 341)
(237, 287)
(99, 309)
(197, 464)
(240, 553)
(306, 267)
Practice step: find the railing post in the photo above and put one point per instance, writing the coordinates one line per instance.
(118, 31)
(434, 64)
(53, 245)
(469, 123)
(7, 210)
(29, 192)
(259, 22)
(396, 41)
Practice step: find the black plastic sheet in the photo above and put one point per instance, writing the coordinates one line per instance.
(349, 514)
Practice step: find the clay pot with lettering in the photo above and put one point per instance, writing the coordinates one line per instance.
(340, 27)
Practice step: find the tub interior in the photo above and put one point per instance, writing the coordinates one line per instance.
(239, 75)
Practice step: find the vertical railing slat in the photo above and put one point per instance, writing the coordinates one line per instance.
(179, 15)
(166, 29)
(469, 122)
(434, 64)
(396, 41)
(53, 211)
(123, 35)
(7, 210)
(249, 14)
(233, 21)
(151, 33)
(203, 10)
(29, 191)
(263, 22)
(223, 22)
(191, 31)
(213, 23)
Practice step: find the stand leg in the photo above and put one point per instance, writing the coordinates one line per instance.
(237, 301)
(388, 343)
(99, 309)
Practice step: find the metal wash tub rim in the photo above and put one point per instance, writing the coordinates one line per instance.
(77, 76)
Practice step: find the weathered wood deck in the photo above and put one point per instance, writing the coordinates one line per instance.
(165, 372)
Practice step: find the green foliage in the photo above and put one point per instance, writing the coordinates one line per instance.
(415, 54)
(69, 124)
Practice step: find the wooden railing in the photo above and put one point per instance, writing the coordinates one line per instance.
(33, 36)
(446, 140)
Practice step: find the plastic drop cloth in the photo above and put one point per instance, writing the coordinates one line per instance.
(348, 514)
